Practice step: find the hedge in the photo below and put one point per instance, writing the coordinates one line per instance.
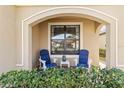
(64, 78)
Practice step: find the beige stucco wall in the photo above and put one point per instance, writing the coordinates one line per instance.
(44, 35)
(116, 11)
(7, 38)
(35, 44)
(89, 36)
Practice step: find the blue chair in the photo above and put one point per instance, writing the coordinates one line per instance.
(45, 59)
(83, 58)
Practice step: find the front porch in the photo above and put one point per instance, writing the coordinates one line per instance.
(35, 33)
(66, 35)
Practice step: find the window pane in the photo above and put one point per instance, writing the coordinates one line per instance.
(65, 39)
(70, 45)
(72, 31)
(57, 32)
(57, 46)
(77, 45)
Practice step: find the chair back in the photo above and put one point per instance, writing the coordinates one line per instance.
(83, 56)
(44, 54)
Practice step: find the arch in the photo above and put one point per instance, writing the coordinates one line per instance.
(78, 11)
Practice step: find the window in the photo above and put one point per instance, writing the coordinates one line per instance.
(65, 39)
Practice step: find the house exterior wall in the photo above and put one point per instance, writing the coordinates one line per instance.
(116, 11)
(7, 38)
(19, 13)
(35, 44)
(89, 35)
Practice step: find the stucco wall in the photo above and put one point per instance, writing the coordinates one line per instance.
(35, 44)
(7, 38)
(89, 35)
(116, 11)
(11, 14)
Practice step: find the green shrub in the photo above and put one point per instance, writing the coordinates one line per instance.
(64, 78)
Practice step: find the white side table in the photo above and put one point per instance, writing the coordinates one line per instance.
(65, 62)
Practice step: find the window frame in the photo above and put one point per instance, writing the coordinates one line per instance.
(65, 24)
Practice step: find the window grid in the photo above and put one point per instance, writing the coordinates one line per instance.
(77, 32)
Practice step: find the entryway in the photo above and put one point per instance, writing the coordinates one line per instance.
(82, 12)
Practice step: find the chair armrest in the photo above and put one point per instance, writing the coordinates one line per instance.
(43, 62)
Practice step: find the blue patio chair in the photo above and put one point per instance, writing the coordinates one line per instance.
(83, 58)
(45, 59)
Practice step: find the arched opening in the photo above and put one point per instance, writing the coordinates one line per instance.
(90, 14)
(89, 38)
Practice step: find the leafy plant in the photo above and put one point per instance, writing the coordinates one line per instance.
(64, 78)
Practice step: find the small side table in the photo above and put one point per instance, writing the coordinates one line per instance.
(65, 62)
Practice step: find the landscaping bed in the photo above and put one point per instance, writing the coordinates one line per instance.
(64, 78)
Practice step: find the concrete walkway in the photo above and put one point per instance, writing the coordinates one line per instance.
(102, 65)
